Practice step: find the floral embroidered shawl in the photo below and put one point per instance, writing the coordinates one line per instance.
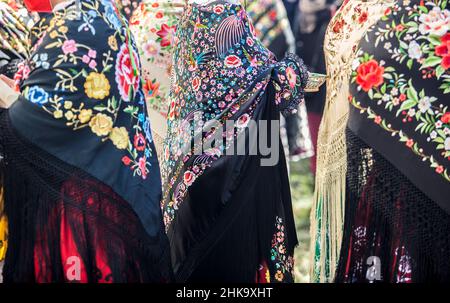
(223, 72)
(400, 93)
(82, 92)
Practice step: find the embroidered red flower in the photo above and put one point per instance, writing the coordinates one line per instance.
(440, 169)
(446, 118)
(139, 142)
(399, 27)
(443, 51)
(196, 83)
(410, 143)
(377, 120)
(338, 26)
(370, 74)
(233, 61)
(218, 9)
(142, 167)
(291, 76)
(250, 42)
(151, 88)
(188, 178)
(126, 78)
(402, 97)
(126, 160)
(167, 34)
(363, 17)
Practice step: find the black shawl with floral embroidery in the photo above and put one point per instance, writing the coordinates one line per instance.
(81, 175)
(397, 217)
(401, 94)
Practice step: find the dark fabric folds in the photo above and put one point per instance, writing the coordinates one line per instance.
(58, 213)
(393, 232)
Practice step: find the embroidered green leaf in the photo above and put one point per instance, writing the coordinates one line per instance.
(410, 63)
(407, 104)
(100, 107)
(132, 110)
(439, 71)
(435, 40)
(423, 9)
(411, 93)
(431, 61)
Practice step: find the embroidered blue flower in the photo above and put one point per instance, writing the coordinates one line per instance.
(111, 14)
(37, 95)
(147, 130)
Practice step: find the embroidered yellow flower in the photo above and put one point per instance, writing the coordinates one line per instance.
(58, 114)
(119, 137)
(279, 276)
(68, 104)
(69, 115)
(97, 86)
(53, 34)
(112, 42)
(101, 125)
(63, 29)
(85, 115)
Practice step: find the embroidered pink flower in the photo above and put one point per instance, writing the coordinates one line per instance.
(167, 35)
(92, 53)
(233, 61)
(410, 143)
(69, 47)
(243, 121)
(188, 178)
(92, 64)
(440, 169)
(377, 120)
(218, 9)
(250, 41)
(142, 167)
(126, 78)
(151, 48)
(291, 76)
(436, 22)
(85, 59)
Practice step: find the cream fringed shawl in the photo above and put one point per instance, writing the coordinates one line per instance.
(345, 31)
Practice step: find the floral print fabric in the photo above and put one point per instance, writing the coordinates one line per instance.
(222, 72)
(153, 24)
(83, 79)
(400, 88)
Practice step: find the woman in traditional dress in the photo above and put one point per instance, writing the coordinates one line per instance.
(228, 217)
(383, 187)
(15, 23)
(80, 173)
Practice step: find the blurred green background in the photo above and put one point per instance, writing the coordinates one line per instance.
(302, 189)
